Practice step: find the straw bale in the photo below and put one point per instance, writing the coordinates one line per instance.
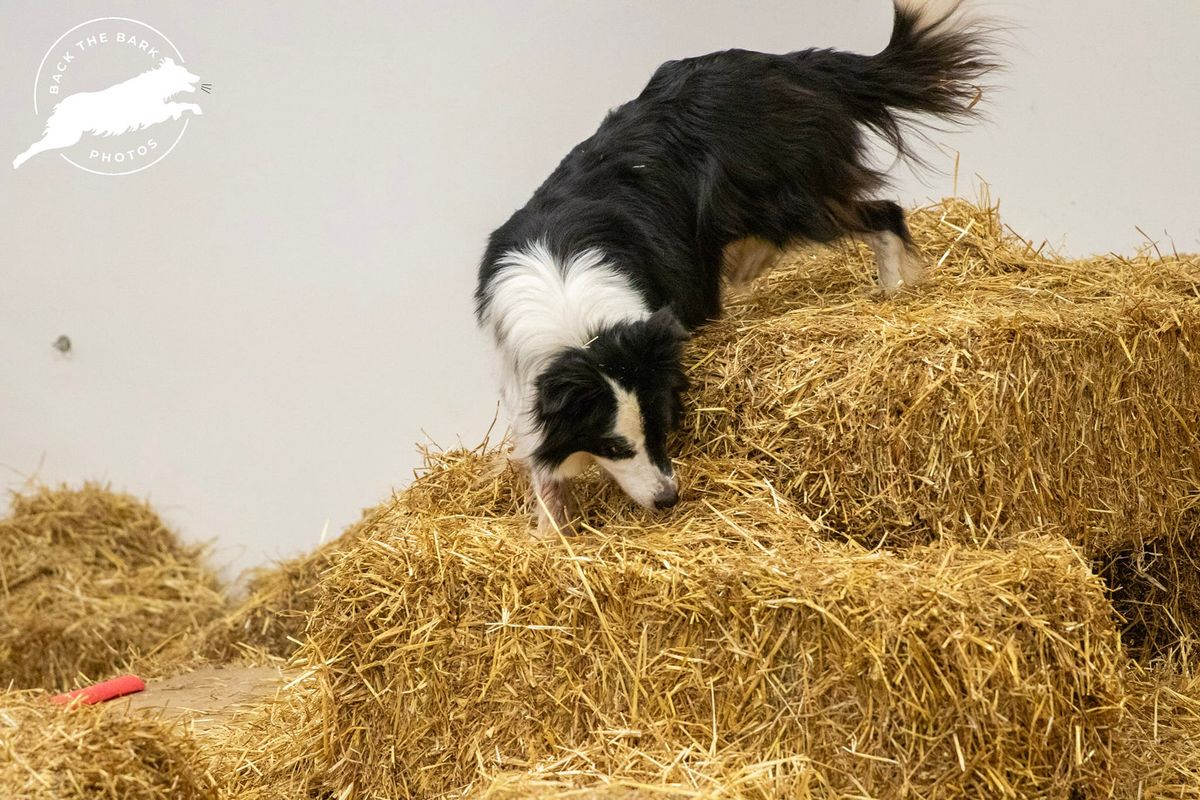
(49, 752)
(1016, 391)
(449, 649)
(1156, 756)
(91, 581)
(1159, 755)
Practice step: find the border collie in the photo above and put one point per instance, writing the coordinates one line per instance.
(722, 162)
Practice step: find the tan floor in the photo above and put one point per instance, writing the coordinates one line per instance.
(207, 696)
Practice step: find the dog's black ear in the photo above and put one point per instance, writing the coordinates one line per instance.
(665, 340)
(666, 324)
(572, 386)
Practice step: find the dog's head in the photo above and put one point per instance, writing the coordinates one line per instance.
(616, 400)
(176, 77)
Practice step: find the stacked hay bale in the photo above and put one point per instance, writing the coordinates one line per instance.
(92, 581)
(998, 432)
(1016, 392)
(724, 642)
(1158, 756)
(51, 753)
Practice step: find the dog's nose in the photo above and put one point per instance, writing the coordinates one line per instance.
(667, 499)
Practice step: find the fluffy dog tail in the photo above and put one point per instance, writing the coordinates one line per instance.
(932, 67)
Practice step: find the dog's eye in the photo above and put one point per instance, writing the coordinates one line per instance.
(614, 449)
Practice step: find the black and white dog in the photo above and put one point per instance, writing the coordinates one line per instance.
(722, 161)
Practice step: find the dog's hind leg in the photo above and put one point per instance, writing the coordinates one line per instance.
(898, 262)
(746, 259)
(28, 154)
(53, 139)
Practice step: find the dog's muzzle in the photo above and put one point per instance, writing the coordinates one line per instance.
(668, 495)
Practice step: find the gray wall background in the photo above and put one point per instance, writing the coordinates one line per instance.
(265, 322)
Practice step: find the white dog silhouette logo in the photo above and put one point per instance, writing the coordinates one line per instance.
(129, 106)
(107, 121)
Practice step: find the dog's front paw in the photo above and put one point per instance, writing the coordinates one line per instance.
(551, 530)
(555, 507)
